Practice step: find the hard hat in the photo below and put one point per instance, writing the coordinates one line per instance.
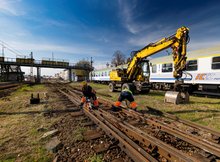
(84, 83)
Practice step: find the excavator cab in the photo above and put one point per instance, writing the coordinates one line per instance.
(142, 72)
(146, 69)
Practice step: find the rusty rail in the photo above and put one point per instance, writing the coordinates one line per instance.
(141, 146)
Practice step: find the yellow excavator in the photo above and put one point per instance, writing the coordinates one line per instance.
(136, 76)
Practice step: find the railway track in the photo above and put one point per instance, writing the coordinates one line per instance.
(95, 141)
(7, 85)
(152, 135)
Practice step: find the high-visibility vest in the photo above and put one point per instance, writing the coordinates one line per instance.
(127, 90)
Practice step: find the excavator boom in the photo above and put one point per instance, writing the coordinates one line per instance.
(136, 77)
(178, 44)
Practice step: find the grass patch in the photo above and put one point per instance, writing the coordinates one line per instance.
(95, 158)
(78, 133)
(19, 138)
(41, 155)
(25, 88)
(9, 158)
(30, 88)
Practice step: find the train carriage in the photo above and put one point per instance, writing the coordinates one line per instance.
(25, 60)
(101, 76)
(202, 71)
(54, 62)
(62, 63)
(48, 62)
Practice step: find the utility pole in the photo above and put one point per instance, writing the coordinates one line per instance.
(3, 52)
(91, 68)
(31, 68)
(52, 56)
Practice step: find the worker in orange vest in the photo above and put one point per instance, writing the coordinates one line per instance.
(126, 94)
(88, 92)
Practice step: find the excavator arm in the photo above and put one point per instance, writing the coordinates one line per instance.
(136, 78)
(178, 44)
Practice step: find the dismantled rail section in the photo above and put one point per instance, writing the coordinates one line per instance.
(147, 137)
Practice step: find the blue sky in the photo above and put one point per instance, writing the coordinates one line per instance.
(80, 29)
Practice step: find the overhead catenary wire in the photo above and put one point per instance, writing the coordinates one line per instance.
(11, 49)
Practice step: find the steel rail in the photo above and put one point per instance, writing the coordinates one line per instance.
(127, 145)
(197, 141)
(7, 86)
(153, 144)
(189, 123)
(192, 139)
(214, 133)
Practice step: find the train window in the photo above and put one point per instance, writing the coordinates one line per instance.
(154, 68)
(191, 65)
(167, 67)
(216, 63)
(105, 73)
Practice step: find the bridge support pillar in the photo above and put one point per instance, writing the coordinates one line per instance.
(38, 79)
(11, 73)
(70, 75)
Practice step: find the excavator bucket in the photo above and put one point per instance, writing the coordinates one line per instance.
(176, 97)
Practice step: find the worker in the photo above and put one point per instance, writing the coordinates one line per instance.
(126, 94)
(88, 92)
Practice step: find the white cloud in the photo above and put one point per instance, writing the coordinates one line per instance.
(78, 50)
(11, 7)
(204, 33)
(101, 64)
(127, 12)
(197, 41)
(150, 37)
(197, 45)
(12, 30)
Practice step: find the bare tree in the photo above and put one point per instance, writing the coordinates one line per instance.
(118, 58)
(107, 64)
(83, 63)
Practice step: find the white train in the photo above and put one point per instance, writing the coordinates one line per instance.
(101, 76)
(202, 72)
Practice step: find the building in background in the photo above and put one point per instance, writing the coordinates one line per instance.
(76, 75)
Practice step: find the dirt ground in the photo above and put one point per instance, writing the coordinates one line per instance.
(77, 149)
(23, 124)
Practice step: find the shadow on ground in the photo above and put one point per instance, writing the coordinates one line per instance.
(38, 112)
